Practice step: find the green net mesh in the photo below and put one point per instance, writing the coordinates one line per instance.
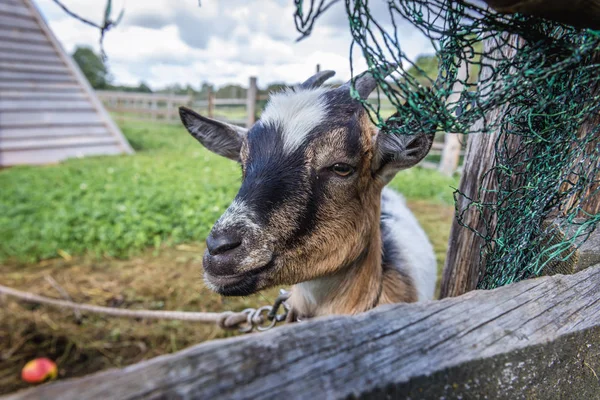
(532, 83)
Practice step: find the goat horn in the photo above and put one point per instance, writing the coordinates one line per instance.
(366, 82)
(317, 79)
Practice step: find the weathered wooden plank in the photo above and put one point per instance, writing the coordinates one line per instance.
(427, 165)
(139, 110)
(579, 13)
(40, 95)
(56, 142)
(239, 122)
(20, 23)
(46, 87)
(109, 94)
(464, 267)
(251, 94)
(34, 67)
(221, 102)
(21, 36)
(16, 119)
(53, 131)
(230, 102)
(28, 48)
(14, 10)
(43, 59)
(127, 118)
(589, 252)
(35, 76)
(23, 105)
(46, 156)
(534, 339)
(101, 113)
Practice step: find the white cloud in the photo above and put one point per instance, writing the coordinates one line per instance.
(174, 41)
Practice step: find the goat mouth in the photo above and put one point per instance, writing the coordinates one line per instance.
(242, 284)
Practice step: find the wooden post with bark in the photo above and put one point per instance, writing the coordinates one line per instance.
(464, 267)
(210, 103)
(452, 146)
(251, 102)
(579, 13)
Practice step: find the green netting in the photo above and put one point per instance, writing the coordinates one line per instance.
(533, 83)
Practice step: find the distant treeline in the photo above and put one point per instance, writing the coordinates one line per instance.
(95, 69)
(98, 74)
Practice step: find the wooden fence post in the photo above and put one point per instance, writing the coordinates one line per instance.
(464, 266)
(450, 154)
(452, 145)
(170, 107)
(210, 104)
(580, 13)
(251, 102)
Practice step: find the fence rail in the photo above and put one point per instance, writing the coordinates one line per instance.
(164, 106)
(538, 338)
(243, 112)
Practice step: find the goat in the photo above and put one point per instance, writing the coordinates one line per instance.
(312, 210)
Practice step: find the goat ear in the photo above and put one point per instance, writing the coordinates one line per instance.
(366, 82)
(219, 137)
(395, 152)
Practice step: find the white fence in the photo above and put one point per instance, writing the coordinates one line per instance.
(243, 111)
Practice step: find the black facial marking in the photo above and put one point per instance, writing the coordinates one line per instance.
(272, 176)
(352, 144)
(307, 220)
(244, 288)
(341, 106)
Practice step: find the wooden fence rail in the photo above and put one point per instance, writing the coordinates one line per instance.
(242, 111)
(537, 339)
(164, 106)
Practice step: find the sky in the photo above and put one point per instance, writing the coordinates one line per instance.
(163, 42)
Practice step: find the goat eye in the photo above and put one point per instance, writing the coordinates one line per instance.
(342, 169)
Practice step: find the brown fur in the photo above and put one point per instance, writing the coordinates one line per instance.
(324, 238)
(353, 283)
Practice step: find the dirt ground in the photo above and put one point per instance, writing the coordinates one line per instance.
(165, 279)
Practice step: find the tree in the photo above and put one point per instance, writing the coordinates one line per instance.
(425, 69)
(273, 88)
(232, 91)
(143, 88)
(92, 67)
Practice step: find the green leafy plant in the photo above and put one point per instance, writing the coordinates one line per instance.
(171, 191)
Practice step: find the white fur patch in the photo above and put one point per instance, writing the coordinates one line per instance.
(298, 112)
(315, 291)
(415, 249)
(237, 213)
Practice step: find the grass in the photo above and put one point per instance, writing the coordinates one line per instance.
(170, 192)
(128, 232)
(164, 278)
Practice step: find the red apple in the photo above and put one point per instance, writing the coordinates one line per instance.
(39, 370)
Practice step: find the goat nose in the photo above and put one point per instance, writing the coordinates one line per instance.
(222, 242)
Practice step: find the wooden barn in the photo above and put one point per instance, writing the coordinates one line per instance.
(48, 111)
